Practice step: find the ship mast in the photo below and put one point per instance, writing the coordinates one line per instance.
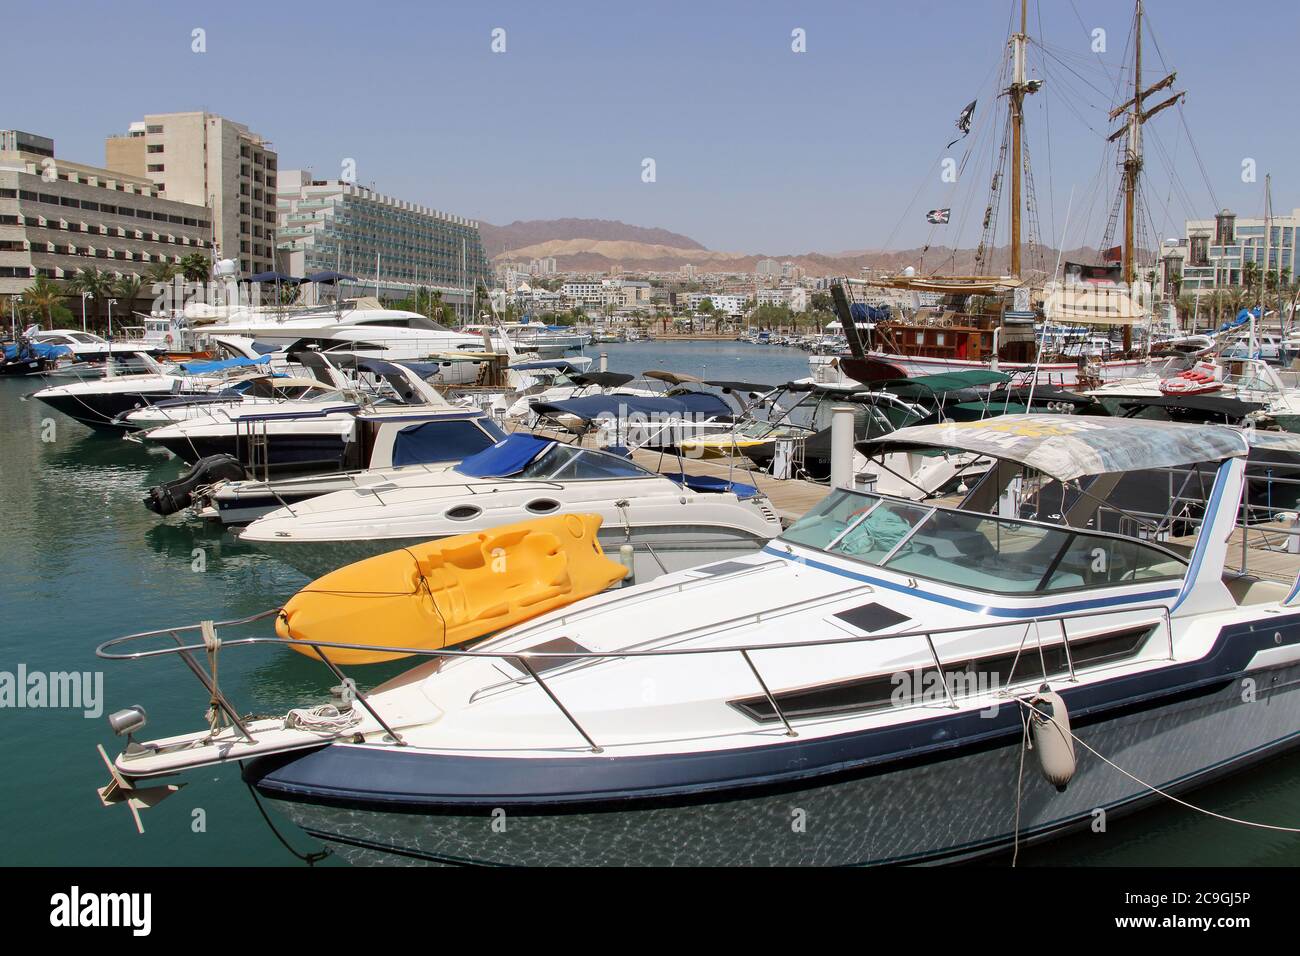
(1016, 98)
(1132, 128)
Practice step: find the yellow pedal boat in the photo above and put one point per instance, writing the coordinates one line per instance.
(448, 591)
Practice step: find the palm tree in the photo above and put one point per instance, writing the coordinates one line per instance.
(42, 296)
(196, 267)
(161, 271)
(126, 290)
(94, 283)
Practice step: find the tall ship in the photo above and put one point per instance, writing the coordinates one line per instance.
(1069, 324)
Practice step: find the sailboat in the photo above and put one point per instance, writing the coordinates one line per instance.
(962, 322)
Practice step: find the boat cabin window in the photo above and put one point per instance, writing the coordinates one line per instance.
(977, 551)
(566, 463)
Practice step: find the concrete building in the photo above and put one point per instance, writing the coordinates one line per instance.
(58, 217)
(727, 304)
(208, 160)
(327, 225)
(1214, 251)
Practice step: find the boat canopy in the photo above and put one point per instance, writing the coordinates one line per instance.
(943, 382)
(739, 386)
(950, 285)
(505, 458)
(590, 407)
(1091, 303)
(673, 378)
(200, 368)
(1067, 447)
(603, 379)
(563, 365)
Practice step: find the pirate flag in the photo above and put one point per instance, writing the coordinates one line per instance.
(938, 216)
(963, 122)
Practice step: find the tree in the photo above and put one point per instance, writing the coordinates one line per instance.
(42, 296)
(126, 290)
(161, 271)
(94, 282)
(196, 267)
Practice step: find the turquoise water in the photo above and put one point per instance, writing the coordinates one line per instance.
(82, 561)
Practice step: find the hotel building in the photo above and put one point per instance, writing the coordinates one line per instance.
(208, 160)
(333, 225)
(58, 217)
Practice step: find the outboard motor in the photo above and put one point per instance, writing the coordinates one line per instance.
(173, 496)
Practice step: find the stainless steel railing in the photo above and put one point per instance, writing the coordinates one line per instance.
(524, 659)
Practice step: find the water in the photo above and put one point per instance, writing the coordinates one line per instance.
(82, 560)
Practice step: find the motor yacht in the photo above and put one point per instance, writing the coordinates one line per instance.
(390, 443)
(915, 683)
(667, 524)
(301, 435)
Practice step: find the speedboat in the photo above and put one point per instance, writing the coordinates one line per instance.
(102, 402)
(667, 524)
(912, 683)
(265, 390)
(389, 443)
(299, 436)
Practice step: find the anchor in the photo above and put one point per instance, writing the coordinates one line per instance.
(119, 789)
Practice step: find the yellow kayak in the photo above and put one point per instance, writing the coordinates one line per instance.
(448, 591)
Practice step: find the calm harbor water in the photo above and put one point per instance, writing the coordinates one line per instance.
(82, 560)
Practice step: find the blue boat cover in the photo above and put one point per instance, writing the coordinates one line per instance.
(450, 439)
(36, 350)
(868, 314)
(505, 458)
(708, 483)
(223, 364)
(587, 408)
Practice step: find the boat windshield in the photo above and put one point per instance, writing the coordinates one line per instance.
(566, 463)
(978, 551)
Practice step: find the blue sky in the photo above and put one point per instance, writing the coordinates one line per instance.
(757, 148)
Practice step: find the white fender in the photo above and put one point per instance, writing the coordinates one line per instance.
(1049, 728)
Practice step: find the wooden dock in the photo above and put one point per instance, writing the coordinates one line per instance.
(1265, 551)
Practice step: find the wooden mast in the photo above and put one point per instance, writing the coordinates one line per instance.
(1133, 153)
(1016, 98)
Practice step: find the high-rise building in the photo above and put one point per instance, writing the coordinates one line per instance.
(208, 160)
(328, 225)
(58, 217)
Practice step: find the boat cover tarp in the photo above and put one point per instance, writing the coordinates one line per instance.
(435, 441)
(220, 365)
(712, 484)
(591, 407)
(505, 458)
(36, 350)
(1066, 447)
(1090, 303)
(740, 386)
(943, 382)
(864, 314)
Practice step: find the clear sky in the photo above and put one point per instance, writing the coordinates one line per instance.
(756, 148)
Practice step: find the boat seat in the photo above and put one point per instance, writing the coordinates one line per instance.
(712, 485)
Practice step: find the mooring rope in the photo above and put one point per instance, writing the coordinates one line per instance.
(1154, 789)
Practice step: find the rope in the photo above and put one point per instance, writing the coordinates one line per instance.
(321, 719)
(213, 644)
(1169, 796)
(311, 859)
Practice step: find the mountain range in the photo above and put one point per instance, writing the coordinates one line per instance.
(598, 245)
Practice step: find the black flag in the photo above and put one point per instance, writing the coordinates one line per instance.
(938, 216)
(963, 122)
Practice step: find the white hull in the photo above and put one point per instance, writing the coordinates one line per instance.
(826, 368)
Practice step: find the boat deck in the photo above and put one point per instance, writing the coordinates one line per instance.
(790, 498)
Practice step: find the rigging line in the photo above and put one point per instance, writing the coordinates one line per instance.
(1205, 175)
(1050, 54)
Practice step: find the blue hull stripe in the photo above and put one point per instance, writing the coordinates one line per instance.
(1146, 597)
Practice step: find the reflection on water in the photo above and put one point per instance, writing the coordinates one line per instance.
(83, 560)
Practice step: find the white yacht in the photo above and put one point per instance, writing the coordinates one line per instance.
(669, 526)
(89, 347)
(921, 683)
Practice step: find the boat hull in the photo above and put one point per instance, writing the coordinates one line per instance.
(956, 802)
(101, 409)
(1063, 374)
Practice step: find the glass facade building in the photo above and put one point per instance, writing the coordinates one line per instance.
(328, 225)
